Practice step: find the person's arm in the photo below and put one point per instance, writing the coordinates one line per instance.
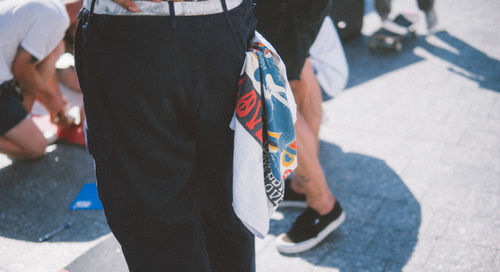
(130, 5)
(72, 8)
(25, 71)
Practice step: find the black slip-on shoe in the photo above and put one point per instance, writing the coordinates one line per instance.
(309, 229)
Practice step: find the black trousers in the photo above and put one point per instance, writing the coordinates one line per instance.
(383, 7)
(159, 93)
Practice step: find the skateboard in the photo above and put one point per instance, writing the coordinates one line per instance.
(393, 32)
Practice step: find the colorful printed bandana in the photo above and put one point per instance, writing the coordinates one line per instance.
(265, 146)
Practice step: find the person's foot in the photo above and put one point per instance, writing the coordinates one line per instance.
(309, 229)
(292, 199)
(431, 19)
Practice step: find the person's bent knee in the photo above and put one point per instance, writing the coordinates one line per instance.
(36, 149)
(27, 141)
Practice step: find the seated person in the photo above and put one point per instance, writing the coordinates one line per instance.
(32, 33)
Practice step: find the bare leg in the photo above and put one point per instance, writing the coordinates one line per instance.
(309, 177)
(24, 141)
(383, 8)
(307, 94)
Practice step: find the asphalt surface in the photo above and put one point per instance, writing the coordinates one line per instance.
(411, 149)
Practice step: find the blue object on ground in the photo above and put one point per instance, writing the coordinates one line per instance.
(87, 199)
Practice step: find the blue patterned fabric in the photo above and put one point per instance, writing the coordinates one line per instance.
(265, 146)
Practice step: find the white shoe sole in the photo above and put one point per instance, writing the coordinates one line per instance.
(291, 247)
(292, 204)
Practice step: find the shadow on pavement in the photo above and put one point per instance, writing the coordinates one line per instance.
(35, 196)
(383, 216)
(464, 59)
(365, 66)
(470, 62)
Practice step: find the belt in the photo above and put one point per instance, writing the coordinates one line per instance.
(182, 8)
